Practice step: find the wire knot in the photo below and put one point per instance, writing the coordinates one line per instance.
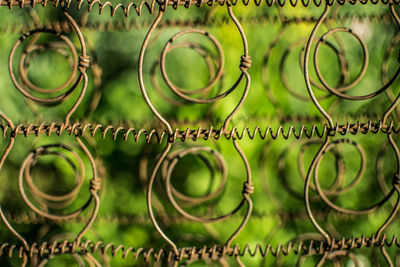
(245, 62)
(84, 62)
(248, 189)
(95, 185)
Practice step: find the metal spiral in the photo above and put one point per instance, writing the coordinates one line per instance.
(275, 161)
(127, 8)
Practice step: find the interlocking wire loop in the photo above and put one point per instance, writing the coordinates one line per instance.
(22, 65)
(34, 49)
(27, 87)
(185, 94)
(336, 91)
(166, 165)
(167, 170)
(341, 60)
(328, 144)
(336, 188)
(356, 80)
(211, 63)
(47, 200)
(245, 63)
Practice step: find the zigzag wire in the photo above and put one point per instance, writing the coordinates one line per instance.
(80, 129)
(149, 135)
(214, 252)
(128, 8)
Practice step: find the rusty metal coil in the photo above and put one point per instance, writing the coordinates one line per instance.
(174, 143)
(214, 252)
(54, 96)
(53, 201)
(127, 8)
(178, 135)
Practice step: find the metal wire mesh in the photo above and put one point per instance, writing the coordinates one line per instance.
(300, 153)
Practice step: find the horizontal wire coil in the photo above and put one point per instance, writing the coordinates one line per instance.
(149, 135)
(152, 5)
(214, 252)
(311, 129)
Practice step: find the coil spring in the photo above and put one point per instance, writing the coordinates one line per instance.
(214, 252)
(128, 8)
(286, 132)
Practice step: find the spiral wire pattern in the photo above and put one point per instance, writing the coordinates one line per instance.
(167, 144)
